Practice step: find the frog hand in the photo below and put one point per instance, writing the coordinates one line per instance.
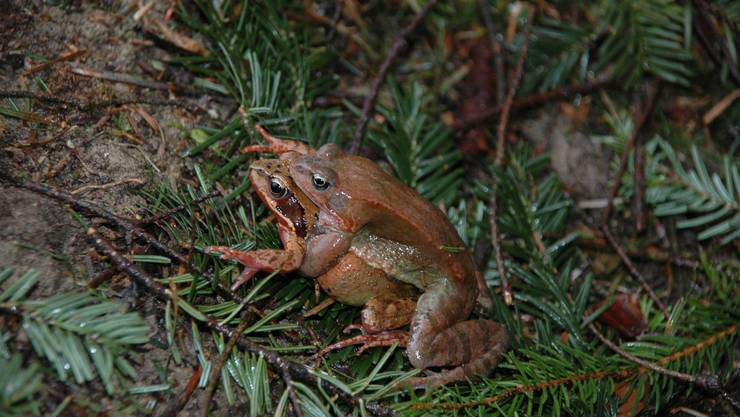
(278, 146)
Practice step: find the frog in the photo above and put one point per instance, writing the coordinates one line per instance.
(387, 303)
(365, 211)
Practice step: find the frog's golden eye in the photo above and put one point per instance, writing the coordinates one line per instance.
(319, 181)
(277, 188)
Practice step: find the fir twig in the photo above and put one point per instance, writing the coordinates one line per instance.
(617, 374)
(398, 45)
(709, 382)
(287, 368)
(642, 115)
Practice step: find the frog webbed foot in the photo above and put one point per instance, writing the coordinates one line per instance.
(367, 340)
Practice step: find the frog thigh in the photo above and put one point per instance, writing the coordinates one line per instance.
(387, 313)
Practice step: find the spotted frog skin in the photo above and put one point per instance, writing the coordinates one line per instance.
(388, 303)
(366, 212)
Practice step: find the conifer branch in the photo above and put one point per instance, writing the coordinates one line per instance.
(288, 369)
(617, 374)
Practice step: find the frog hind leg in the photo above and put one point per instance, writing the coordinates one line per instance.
(278, 146)
(441, 337)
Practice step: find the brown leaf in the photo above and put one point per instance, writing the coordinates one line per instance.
(624, 315)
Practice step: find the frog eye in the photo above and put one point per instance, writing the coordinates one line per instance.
(319, 181)
(277, 188)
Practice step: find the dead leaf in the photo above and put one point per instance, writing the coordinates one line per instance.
(183, 42)
(625, 315)
(631, 405)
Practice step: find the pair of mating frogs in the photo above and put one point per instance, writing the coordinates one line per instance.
(370, 240)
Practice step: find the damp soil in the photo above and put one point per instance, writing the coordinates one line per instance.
(92, 155)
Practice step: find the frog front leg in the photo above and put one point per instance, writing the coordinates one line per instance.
(268, 260)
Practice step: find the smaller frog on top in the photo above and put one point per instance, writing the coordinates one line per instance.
(388, 303)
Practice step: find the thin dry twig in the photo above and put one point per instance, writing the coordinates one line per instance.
(702, 25)
(513, 86)
(534, 100)
(174, 210)
(649, 253)
(88, 105)
(639, 186)
(633, 270)
(642, 115)
(398, 45)
(137, 81)
(339, 27)
(496, 243)
(500, 149)
(287, 368)
(216, 370)
(128, 225)
(65, 56)
(113, 184)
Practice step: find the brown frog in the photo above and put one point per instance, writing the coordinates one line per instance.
(366, 212)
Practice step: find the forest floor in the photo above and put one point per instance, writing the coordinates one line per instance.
(101, 150)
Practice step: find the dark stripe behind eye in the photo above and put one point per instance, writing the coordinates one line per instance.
(291, 208)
